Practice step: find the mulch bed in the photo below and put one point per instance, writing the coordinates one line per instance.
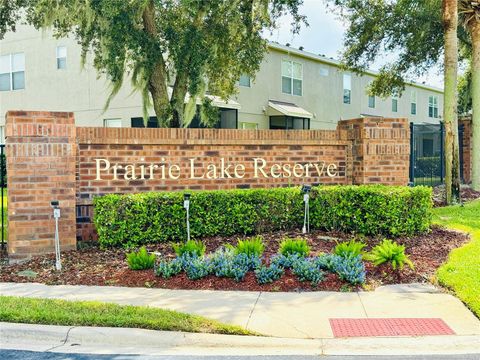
(92, 266)
(466, 194)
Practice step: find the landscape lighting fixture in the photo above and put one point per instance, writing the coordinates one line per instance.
(306, 218)
(186, 206)
(56, 216)
(306, 188)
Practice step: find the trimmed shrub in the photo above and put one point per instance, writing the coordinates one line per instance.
(372, 209)
(294, 246)
(128, 220)
(429, 165)
(134, 219)
(140, 260)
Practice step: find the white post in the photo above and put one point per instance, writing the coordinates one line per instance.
(306, 217)
(186, 205)
(56, 215)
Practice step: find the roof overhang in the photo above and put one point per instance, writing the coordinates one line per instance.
(287, 109)
(216, 100)
(225, 104)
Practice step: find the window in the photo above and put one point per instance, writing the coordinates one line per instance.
(433, 107)
(371, 101)
(347, 88)
(61, 57)
(292, 77)
(323, 71)
(244, 80)
(113, 123)
(2, 135)
(12, 72)
(227, 119)
(288, 122)
(413, 102)
(248, 126)
(395, 103)
(427, 147)
(138, 122)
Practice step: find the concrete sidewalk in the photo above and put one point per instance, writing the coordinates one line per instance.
(288, 315)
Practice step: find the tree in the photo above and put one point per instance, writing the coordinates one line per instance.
(417, 32)
(452, 156)
(470, 14)
(192, 45)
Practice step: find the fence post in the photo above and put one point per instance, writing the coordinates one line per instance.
(412, 154)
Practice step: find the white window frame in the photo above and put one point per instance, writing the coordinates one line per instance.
(374, 101)
(2, 134)
(413, 100)
(433, 104)
(291, 77)
(61, 57)
(324, 71)
(106, 121)
(395, 99)
(347, 86)
(11, 70)
(249, 81)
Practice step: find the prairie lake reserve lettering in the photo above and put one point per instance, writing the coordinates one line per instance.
(222, 169)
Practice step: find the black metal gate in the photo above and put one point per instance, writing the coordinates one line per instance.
(3, 183)
(427, 160)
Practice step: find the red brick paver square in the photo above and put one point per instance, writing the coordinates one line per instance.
(389, 327)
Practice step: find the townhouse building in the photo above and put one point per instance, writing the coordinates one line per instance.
(293, 89)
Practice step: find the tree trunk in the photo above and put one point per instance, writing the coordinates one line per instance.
(450, 23)
(157, 85)
(474, 28)
(178, 99)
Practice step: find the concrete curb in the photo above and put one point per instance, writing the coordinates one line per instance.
(96, 340)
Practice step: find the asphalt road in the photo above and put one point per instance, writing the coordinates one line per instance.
(32, 355)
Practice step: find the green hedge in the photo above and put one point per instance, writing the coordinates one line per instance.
(372, 209)
(428, 166)
(135, 219)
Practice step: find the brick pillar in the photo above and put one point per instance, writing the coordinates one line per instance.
(467, 148)
(41, 149)
(380, 149)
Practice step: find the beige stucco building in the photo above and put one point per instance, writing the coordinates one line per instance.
(293, 89)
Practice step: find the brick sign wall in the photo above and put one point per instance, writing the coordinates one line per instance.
(96, 161)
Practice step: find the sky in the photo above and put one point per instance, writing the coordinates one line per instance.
(324, 36)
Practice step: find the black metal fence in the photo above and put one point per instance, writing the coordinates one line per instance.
(427, 160)
(3, 184)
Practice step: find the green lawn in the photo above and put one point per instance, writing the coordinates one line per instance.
(461, 273)
(89, 313)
